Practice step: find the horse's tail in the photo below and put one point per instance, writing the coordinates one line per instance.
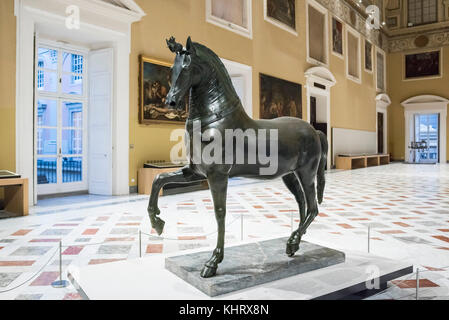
(321, 181)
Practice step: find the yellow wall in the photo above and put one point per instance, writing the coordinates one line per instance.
(272, 51)
(7, 85)
(400, 90)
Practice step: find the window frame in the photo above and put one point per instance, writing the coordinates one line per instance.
(359, 55)
(422, 15)
(246, 32)
(382, 52)
(325, 12)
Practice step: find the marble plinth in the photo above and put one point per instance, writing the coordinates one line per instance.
(252, 264)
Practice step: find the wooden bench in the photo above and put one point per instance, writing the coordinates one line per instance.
(348, 162)
(15, 195)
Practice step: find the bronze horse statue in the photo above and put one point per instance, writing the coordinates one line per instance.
(302, 150)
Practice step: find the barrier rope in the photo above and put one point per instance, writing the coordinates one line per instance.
(32, 277)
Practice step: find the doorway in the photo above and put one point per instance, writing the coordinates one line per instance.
(380, 133)
(318, 113)
(426, 135)
(60, 119)
(319, 81)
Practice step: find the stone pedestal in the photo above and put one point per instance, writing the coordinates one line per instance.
(252, 264)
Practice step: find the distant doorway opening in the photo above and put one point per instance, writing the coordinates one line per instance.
(380, 132)
(319, 81)
(427, 140)
(61, 130)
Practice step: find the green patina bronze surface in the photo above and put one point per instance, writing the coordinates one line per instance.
(302, 151)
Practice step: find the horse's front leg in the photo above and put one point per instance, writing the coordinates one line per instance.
(184, 175)
(218, 184)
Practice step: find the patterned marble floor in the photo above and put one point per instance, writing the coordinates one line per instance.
(406, 207)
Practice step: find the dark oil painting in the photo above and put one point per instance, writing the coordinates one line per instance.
(279, 98)
(337, 36)
(368, 56)
(282, 11)
(425, 64)
(155, 77)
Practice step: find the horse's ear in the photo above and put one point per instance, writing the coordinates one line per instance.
(189, 46)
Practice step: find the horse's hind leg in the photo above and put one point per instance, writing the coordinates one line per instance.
(184, 175)
(218, 184)
(307, 177)
(293, 184)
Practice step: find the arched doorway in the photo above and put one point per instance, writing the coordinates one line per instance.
(418, 111)
(319, 81)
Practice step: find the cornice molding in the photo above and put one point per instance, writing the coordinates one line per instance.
(342, 10)
(437, 39)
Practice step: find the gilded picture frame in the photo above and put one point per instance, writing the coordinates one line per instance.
(154, 84)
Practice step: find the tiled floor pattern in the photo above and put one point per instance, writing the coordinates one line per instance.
(406, 207)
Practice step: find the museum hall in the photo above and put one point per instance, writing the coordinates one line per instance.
(224, 149)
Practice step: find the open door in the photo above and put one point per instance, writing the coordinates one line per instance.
(100, 121)
(380, 133)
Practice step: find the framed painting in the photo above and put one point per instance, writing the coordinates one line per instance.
(422, 65)
(233, 15)
(368, 56)
(154, 83)
(337, 37)
(281, 13)
(279, 98)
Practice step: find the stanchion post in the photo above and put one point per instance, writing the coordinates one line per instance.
(241, 226)
(417, 283)
(369, 237)
(60, 283)
(140, 244)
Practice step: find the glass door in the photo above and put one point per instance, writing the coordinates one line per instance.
(427, 138)
(61, 130)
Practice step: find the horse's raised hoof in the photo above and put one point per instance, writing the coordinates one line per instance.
(292, 248)
(208, 272)
(158, 225)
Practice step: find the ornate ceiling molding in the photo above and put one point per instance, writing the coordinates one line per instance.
(356, 20)
(407, 43)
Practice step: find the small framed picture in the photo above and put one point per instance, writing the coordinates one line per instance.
(368, 56)
(337, 37)
(281, 13)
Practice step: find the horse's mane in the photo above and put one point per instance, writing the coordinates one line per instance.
(204, 52)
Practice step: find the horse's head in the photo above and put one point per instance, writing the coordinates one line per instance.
(182, 76)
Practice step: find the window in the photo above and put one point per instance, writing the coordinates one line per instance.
(421, 12)
(353, 55)
(77, 66)
(317, 34)
(380, 70)
(234, 15)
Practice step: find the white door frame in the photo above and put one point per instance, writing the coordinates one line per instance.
(112, 25)
(382, 103)
(324, 77)
(425, 104)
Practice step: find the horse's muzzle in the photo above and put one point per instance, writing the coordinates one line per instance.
(170, 101)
